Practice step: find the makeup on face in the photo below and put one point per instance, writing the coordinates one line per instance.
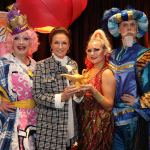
(92, 50)
(21, 43)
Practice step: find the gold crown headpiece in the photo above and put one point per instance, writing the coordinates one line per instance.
(17, 22)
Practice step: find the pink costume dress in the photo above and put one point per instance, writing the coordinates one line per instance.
(20, 87)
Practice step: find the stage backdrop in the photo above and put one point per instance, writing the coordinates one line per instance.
(83, 26)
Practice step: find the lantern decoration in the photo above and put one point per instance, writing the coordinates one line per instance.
(45, 14)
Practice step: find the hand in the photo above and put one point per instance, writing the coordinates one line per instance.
(69, 92)
(6, 106)
(128, 99)
(87, 87)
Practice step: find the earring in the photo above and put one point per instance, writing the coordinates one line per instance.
(68, 51)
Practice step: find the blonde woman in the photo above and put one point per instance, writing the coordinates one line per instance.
(96, 119)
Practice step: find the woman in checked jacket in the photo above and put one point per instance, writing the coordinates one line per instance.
(55, 97)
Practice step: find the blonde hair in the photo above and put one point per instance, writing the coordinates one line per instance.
(100, 37)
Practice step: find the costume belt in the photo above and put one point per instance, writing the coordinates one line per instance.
(124, 112)
(26, 103)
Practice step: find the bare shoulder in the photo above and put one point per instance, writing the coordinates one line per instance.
(108, 78)
(108, 73)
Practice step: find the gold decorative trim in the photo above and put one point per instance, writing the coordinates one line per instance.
(119, 68)
(124, 112)
(118, 17)
(130, 15)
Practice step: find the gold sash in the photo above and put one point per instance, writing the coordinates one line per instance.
(27, 103)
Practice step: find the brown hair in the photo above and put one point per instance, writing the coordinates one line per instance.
(58, 30)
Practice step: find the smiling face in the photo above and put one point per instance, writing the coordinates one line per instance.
(60, 45)
(96, 52)
(21, 44)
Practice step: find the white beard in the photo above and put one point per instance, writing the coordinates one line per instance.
(128, 41)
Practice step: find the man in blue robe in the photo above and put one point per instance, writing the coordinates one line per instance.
(131, 64)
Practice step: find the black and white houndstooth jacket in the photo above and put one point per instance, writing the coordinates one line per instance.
(51, 122)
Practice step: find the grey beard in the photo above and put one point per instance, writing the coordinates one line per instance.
(128, 41)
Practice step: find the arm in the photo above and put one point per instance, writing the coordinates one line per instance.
(108, 89)
(5, 106)
(141, 104)
(52, 96)
(130, 100)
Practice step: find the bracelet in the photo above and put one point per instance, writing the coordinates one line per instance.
(97, 95)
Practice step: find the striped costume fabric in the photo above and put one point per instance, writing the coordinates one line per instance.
(125, 15)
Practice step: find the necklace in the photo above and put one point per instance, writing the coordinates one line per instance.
(92, 73)
(24, 67)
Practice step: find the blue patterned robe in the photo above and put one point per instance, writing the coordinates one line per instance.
(132, 74)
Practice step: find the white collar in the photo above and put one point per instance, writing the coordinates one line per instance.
(63, 61)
